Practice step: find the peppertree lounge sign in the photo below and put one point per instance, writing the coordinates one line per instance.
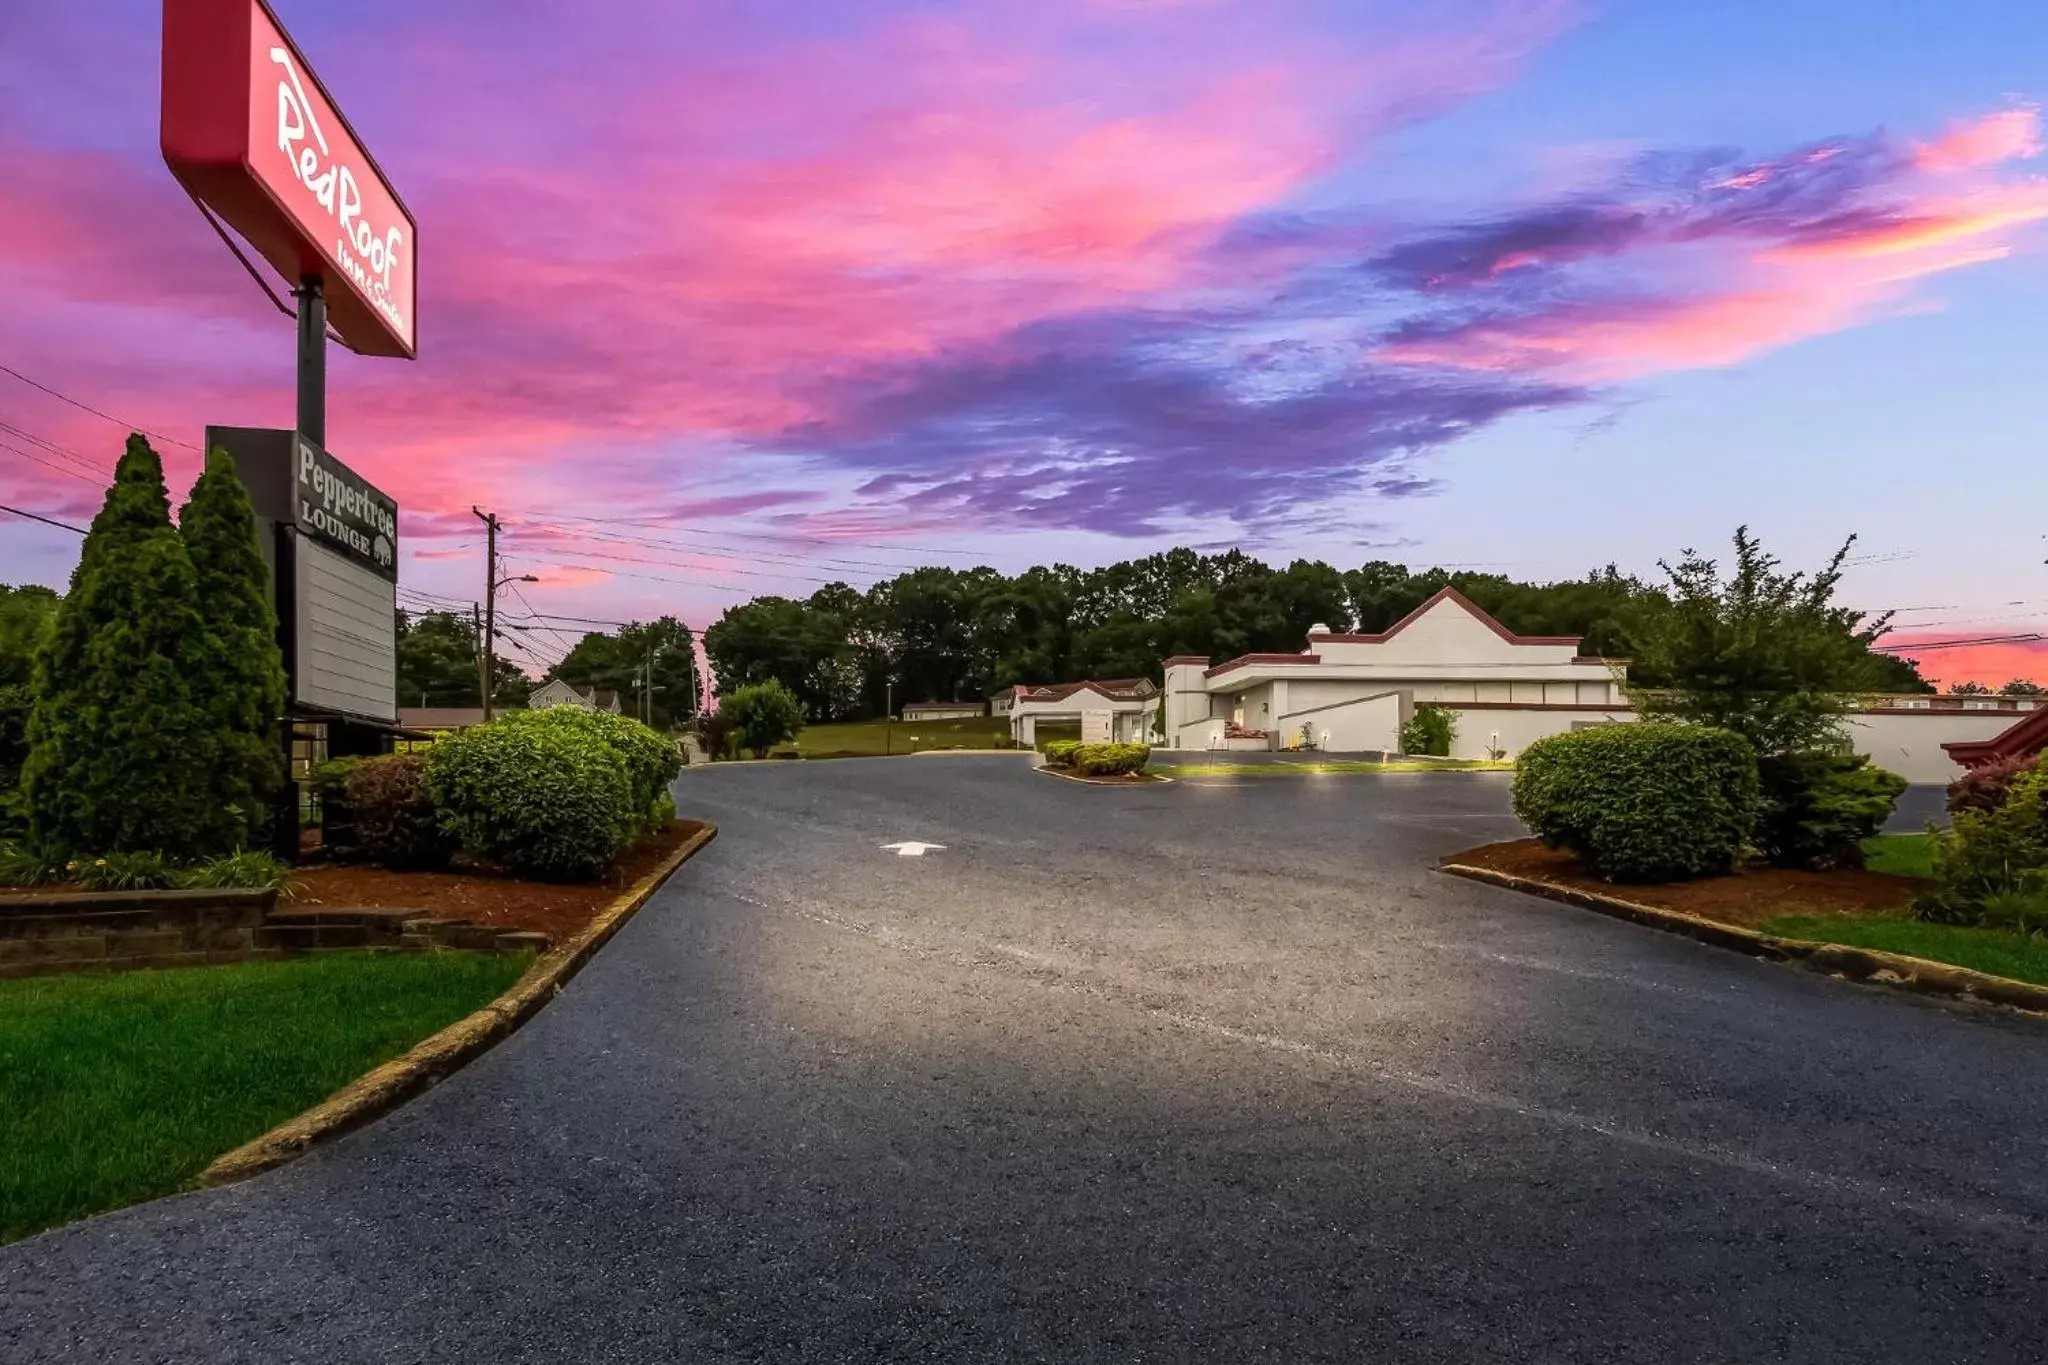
(334, 503)
(251, 134)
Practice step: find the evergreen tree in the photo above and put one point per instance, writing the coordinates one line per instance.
(118, 747)
(238, 679)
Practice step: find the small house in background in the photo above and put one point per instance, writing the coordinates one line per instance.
(556, 692)
(943, 710)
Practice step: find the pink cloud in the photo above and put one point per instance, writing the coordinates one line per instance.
(1748, 261)
(2010, 135)
(1991, 665)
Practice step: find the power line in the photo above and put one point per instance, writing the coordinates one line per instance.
(47, 464)
(87, 407)
(2027, 638)
(564, 643)
(47, 521)
(62, 452)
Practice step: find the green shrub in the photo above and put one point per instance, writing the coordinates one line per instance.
(550, 801)
(1111, 760)
(761, 715)
(1992, 861)
(1429, 731)
(135, 871)
(1648, 801)
(390, 818)
(248, 869)
(652, 761)
(1818, 807)
(22, 865)
(1060, 753)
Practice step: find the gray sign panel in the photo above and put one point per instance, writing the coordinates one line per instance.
(341, 509)
(345, 641)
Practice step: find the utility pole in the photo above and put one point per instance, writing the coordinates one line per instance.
(483, 659)
(889, 717)
(490, 635)
(487, 653)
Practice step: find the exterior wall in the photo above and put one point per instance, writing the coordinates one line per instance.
(1907, 743)
(1360, 725)
(1910, 743)
(1519, 727)
(1256, 704)
(1445, 635)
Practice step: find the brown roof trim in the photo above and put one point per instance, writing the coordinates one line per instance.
(2029, 736)
(1243, 660)
(1105, 687)
(1201, 659)
(1529, 705)
(1448, 593)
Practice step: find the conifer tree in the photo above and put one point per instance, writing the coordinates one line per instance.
(118, 747)
(238, 676)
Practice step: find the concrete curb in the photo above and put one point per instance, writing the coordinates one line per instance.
(376, 1093)
(1832, 959)
(1157, 779)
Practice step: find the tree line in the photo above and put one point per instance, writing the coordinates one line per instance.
(437, 665)
(943, 634)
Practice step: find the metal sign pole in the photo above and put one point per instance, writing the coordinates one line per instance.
(312, 360)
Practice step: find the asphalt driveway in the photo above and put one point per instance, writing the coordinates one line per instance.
(1210, 1071)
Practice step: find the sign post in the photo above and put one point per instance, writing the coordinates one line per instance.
(253, 136)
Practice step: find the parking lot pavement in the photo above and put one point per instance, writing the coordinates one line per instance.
(1187, 1072)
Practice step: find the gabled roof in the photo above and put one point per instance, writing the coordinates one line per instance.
(1114, 688)
(1447, 594)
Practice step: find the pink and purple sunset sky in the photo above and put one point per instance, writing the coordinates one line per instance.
(724, 299)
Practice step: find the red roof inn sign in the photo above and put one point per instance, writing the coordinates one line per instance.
(252, 135)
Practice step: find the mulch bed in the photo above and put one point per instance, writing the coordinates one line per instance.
(486, 897)
(1745, 898)
(478, 895)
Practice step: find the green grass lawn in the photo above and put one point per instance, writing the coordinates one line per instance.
(868, 738)
(121, 1087)
(1984, 950)
(1901, 855)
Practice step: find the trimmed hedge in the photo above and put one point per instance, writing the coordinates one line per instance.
(1818, 807)
(1643, 801)
(652, 762)
(1111, 760)
(549, 801)
(393, 822)
(1060, 753)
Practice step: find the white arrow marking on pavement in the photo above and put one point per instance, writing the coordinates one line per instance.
(911, 848)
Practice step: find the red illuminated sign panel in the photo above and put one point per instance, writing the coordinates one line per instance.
(251, 133)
